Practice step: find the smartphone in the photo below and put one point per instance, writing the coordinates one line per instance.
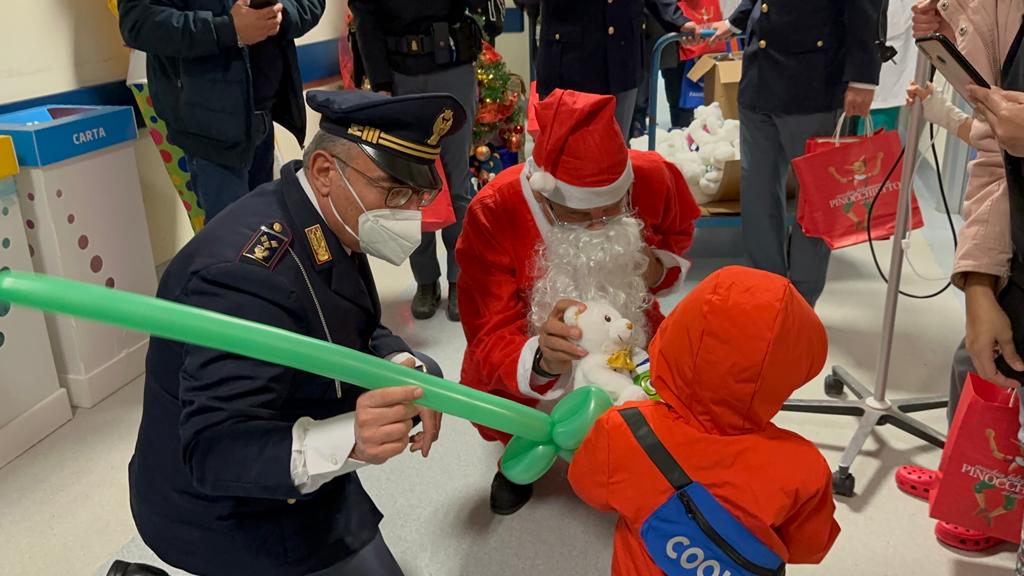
(261, 4)
(944, 55)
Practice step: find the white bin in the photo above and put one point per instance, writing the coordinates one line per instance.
(32, 403)
(84, 219)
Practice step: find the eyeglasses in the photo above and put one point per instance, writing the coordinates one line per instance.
(397, 196)
(625, 208)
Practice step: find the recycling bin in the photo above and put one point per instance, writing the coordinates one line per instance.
(32, 402)
(84, 219)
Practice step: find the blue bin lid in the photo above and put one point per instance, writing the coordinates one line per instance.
(45, 135)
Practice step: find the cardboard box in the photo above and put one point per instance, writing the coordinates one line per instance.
(728, 195)
(721, 73)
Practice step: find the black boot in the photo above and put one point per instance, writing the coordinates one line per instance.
(426, 301)
(508, 497)
(453, 303)
(122, 568)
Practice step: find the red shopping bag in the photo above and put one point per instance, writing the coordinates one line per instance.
(980, 484)
(839, 178)
(531, 112)
(439, 213)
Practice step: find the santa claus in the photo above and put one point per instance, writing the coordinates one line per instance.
(584, 219)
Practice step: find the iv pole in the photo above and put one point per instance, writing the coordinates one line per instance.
(872, 407)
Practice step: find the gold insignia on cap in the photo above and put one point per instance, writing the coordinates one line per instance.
(441, 126)
(277, 227)
(318, 244)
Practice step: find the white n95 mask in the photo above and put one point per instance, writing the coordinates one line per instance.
(389, 234)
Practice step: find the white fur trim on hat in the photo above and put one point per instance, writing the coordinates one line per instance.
(578, 197)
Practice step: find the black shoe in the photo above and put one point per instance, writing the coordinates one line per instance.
(426, 301)
(122, 568)
(508, 497)
(637, 130)
(453, 303)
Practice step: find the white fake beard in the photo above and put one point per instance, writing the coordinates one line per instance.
(604, 264)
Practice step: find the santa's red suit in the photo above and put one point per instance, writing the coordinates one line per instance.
(505, 224)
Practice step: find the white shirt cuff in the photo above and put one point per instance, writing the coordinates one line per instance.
(403, 356)
(320, 451)
(734, 29)
(863, 86)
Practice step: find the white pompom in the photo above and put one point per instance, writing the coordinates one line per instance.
(542, 182)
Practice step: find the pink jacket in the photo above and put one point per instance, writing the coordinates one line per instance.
(983, 31)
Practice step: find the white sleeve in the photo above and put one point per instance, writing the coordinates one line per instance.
(526, 378)
(320, 451)
(863, 86)
(670, 260)
(943, 113)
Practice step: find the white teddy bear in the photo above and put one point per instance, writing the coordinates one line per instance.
(610, 357)
(701, 151)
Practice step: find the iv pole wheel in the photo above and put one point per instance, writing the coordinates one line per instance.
(843, 483)
(833, 386)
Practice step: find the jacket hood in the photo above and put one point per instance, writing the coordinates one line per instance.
(735, 349)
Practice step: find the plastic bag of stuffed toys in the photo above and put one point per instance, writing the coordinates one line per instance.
(699, 151)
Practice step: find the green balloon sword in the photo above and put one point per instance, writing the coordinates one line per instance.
(538, 439)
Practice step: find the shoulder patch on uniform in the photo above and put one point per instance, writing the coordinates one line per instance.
(267, 246)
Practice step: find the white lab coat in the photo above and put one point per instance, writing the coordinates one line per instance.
(897, 74)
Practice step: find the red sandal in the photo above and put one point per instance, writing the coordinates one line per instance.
(964, 539)
(916, 481)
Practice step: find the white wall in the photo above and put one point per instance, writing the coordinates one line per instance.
(51, 46)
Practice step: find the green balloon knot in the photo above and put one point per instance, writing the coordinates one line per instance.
(525, 461)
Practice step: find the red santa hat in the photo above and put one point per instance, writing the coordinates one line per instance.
(580, 159)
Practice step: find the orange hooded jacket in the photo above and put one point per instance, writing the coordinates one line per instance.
(724, 362)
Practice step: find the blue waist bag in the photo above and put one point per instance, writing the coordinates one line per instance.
(692, 534)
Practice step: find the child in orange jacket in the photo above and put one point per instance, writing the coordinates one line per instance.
(723, 362)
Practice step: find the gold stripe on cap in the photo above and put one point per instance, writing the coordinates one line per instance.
(377, 137)
(413, 145)
(409, 151)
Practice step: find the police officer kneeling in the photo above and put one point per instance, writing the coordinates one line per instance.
(244, 467)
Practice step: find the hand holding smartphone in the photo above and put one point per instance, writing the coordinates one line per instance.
(948, 60)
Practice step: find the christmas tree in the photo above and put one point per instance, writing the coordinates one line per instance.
(500, 109)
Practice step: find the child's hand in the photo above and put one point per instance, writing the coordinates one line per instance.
(916, 92)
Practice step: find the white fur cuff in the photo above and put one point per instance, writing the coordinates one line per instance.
(670, 260)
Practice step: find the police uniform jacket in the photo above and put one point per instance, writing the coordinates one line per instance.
(595, 46)
(211, 485)
(399, 36)
(802, 54)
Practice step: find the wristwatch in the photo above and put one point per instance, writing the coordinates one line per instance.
(538, 370)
